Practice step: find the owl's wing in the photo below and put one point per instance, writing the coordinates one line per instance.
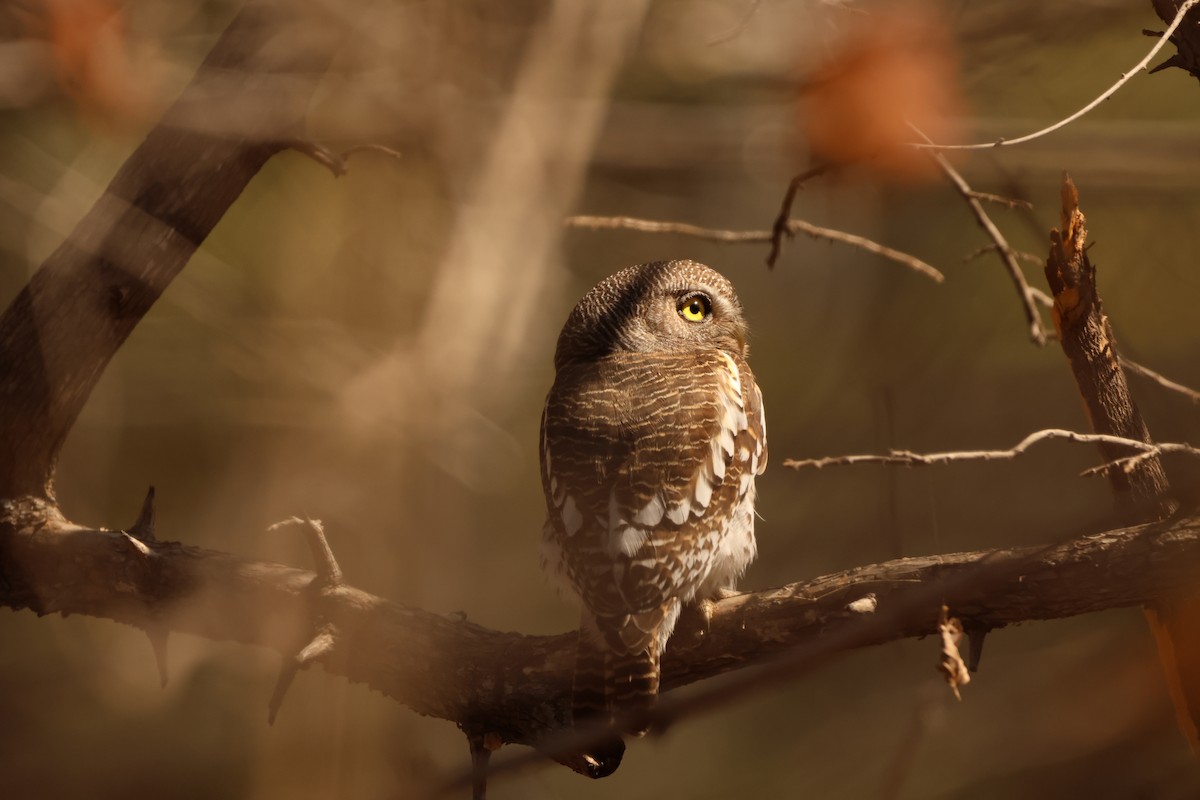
(643, 459)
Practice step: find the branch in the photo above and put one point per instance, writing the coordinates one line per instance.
(516, 688)
(1186, 40)
(1062, 123)
(779, 228)
(1036, 332)
(1140, 487)
(740, 237)
(906, 458)
(64, 327)
(1159, 378)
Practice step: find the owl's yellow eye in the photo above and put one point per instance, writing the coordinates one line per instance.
(695, 308)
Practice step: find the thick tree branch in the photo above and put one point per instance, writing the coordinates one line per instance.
(515, 687)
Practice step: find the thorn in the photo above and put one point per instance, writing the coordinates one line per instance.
(321, 646)
(139, 545)
(323, 156)
(480, 756)
(158, 643)
(1173, 61)
(1153, 34)
(328, 572)
(975, 637)
(287, 673)
(143, 527)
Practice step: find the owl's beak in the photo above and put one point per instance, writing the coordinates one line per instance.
(739, 333)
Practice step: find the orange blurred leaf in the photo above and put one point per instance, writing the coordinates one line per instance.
(898, 66)
(90, 51)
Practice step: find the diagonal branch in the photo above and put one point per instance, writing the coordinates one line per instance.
(64, 327)
(1036, 332)
(1157, 377)
(1165, 37)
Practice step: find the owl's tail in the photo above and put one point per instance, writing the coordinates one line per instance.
(617, 665)
(591, 699)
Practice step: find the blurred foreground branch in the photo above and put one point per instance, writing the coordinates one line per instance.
(60, 332)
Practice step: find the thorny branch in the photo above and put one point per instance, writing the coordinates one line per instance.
(516, 688)
(1159, 378)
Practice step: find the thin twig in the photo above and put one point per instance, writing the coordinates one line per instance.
(792, 226)
(593, 223)
(780, 227)
(907, 458)
(1037, 332)
(999, 199)
(1062, 123)
(336, 162)
(1029, 258)
(1160, 379)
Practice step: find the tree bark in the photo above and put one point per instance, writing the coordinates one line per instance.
(517, 687)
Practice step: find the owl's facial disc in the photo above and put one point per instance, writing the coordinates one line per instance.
(694, 316)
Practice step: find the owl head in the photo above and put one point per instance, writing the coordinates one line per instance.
(664, 306)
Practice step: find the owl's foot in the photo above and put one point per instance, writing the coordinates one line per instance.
(696, 618)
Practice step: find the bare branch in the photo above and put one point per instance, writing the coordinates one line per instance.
(517, 687)
(595, 223)
(1028, 258)
(1159, 378)
(1037, 331)
(906, 458)
(336, 162)
(909, 600)
(1062, 123)
(779, 228)
(998, 199)
(740, 237)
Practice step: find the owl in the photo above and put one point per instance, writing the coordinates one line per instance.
(651, 438)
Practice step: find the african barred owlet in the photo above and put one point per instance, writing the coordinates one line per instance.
(651, 439)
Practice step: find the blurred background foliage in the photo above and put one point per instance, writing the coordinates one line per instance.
(373, 350)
